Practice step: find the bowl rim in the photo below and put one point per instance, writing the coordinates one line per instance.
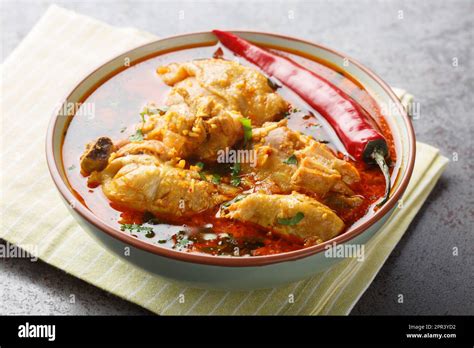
(232, 261)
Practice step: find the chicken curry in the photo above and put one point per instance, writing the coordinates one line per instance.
(198, 151)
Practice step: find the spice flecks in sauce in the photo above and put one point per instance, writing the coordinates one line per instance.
(118, 103)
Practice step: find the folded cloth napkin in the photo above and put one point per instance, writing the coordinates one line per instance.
(56, 54)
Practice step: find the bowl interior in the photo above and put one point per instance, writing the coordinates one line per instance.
(391, 108)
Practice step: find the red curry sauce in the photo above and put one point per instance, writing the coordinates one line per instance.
(117, 104)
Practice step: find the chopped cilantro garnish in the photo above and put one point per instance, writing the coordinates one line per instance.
(235, 181)
(72, 167)
(200, 165)
(153, 110)
(216, 179)
(291, 111)
(136, 228)
(235, 200)
(291, 221)
(183, 242)
(247, 124)
(138, 136)
(291, 160)
(234, 178)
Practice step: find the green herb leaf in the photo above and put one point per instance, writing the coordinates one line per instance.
(123, 129)
(291, 160)
(200, 165)
(235, 200)
(153, 110)
(138, 136)
(235, 181)
(236, 168)
(183, 242)
(234, 178)
(72, 167)
(292, 110)
(136, 228)
(247, 124)
(292, 221)
(216, 179)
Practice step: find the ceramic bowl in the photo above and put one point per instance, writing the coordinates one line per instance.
(207, 271)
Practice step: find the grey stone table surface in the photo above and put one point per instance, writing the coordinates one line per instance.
(422, 46)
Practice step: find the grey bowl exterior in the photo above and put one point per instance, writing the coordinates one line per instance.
(205, 271)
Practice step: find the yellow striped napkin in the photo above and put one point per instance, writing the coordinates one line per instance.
(59, 50)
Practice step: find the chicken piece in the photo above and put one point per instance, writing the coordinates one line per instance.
(96, 155)
(294, 214)
(235, 86)
(179, 129)
(294, 161)
(206, 103)
(144, 183)
(148, 147)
